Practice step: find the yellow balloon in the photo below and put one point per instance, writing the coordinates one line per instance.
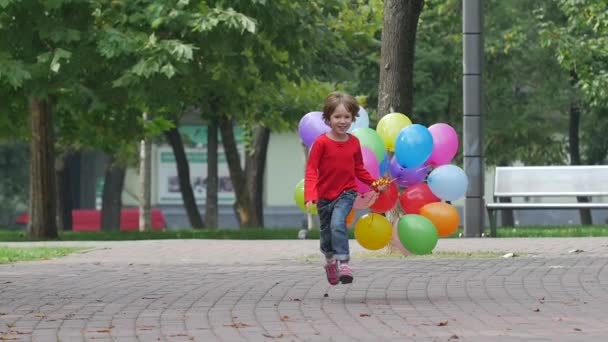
(373, 231)
(389, 127)
(298, 196)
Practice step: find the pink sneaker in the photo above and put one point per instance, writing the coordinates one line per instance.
(332, 273)
(346, 274)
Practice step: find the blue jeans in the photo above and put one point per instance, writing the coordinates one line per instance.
(332, 214)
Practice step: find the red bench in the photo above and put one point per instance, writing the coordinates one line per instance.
(89, 220)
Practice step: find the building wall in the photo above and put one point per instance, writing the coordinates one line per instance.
(285, 168)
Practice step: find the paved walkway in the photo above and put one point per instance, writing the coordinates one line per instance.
(210, 290)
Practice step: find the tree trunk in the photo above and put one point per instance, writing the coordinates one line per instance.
(396, 88)
(211, 209)
(183, 174)
(397, 57)
(64, 191)
(574, 145)
(42, 222)
(111, 200)
(242, 204)
(144, 179)
(255, 167)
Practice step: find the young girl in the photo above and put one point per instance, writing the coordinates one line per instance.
(334, 164)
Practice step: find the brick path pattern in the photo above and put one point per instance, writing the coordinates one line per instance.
(218, 290)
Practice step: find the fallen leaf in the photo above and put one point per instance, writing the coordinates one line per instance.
(103, 330)
(442, 324)
(273, 336)
(237, 325)
(364, 315)
(285, 318)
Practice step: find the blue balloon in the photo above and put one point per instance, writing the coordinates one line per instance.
(413, 146)
(448, 182)
(384, 165)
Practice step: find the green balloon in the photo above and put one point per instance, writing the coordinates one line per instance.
(298, 196)
(417, 234)
(370, 139)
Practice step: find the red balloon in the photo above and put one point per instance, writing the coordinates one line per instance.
(415, 197)
(386, 199)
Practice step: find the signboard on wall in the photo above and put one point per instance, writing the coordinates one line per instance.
(195, 143)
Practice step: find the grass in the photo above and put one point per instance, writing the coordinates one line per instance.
(564, 231)
(223, 234)
(391, 253)
(289, 233)
(14, 254)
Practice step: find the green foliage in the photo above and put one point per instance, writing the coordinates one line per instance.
(438, 68)
(526, 91)
(578, 33)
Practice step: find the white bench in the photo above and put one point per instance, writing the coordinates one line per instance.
(547, 181)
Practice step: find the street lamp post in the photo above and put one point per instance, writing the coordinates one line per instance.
(472, 66)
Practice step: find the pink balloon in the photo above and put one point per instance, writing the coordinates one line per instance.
(365, 200)
(370, 162)
(445, 144)
(396, 243)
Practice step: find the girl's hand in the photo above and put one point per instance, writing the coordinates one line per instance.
(381, 184)
(382, 187)
(310, 206)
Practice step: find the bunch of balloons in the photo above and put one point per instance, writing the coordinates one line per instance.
(417, 160)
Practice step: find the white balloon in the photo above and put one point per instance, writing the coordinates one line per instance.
(362, 120)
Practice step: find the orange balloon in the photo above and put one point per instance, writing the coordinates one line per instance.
(444, 216)
(350, 219)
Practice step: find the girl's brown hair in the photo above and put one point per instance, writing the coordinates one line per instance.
(335, 99)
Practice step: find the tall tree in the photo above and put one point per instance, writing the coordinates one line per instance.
(211, 204)
(183, 171)
(111, 198)
(42, 222)
(579, 39)
(44, 47)
(163, 49)
(396, 88)
(397, 58)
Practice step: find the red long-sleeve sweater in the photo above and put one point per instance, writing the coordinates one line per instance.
(333, 167)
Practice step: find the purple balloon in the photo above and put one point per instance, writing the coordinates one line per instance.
(406, 176)
(311, 126)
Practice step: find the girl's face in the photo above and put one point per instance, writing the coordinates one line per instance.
(340, 120)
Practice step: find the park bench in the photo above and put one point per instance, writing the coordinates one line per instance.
(532, 182)
(89, 220)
